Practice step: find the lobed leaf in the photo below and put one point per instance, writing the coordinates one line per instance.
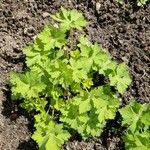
(88, 113)
(70, 19)
(135, 115)
(48, 134)
(120, 78)
(28, 85)
(137, 140)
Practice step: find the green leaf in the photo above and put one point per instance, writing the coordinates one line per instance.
(42, 49)
(84, 106)
(60, 73)
(79, 73)
(120, 78)
(141, 2)
(87, 113)
(120, 1)
(76, 87)
(94, 55)
(134, 115)
(137, 141)
(26, 85)
(51, 144)
(70, 19)
(37, 104)
(48, 134)
(52, 37)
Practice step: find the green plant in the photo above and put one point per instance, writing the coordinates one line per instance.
(48, 134)
(136, 117)
(59, 83)
(139, 2)
(70, 19)
(142, 2)
(88, 112)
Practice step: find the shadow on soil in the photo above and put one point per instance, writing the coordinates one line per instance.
(12, 110)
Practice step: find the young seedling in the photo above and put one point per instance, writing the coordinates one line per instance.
(60, 87)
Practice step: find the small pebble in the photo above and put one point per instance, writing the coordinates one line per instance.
(29, 31)
(98, 5)
(45, 14)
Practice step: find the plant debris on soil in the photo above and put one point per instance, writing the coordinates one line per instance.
(123, 29)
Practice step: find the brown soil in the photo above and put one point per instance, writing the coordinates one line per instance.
(123, 30)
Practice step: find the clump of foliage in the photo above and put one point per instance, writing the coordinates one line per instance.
(136, 117)
(139, 2)
(59, 83)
